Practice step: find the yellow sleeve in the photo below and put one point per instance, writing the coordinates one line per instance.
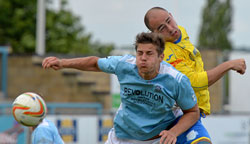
(198, 80)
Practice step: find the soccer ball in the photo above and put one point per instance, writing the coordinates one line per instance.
(29, 109)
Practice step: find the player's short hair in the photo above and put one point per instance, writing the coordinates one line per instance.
(151, 38)
(146, 20)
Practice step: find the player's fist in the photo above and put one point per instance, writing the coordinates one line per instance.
(239, 65)
(52, 62)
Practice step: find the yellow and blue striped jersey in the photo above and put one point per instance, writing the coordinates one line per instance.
(187, 59)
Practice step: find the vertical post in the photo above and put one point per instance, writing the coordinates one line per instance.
(40, 27)
(248, 131)
(4, 76)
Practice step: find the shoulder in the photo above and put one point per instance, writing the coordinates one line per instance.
(168, 69)
(42, 134)
(46, 125)
(124, 58)
(112, 64)
(126, 61)
(183, 32)
(129, 59)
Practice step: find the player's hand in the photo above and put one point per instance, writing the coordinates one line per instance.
(52, 62)
(167, 137)
(239, 65)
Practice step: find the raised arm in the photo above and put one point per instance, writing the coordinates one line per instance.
(201, 80)
(84, 64)
(216, 73)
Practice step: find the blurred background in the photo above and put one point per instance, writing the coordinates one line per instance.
(82, 104)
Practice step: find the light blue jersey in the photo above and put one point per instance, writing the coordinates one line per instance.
(147, 105)
(46, 133)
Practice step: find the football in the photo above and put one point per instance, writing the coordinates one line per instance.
(29, 109)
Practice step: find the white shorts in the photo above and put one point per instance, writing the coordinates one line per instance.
(112, 139)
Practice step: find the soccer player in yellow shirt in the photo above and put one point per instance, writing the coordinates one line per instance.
(182, 54)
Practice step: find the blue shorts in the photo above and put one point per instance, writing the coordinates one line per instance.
(194, 134)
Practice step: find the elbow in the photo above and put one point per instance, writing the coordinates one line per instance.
(97, 69)
(197, 115)
(194, 112)
(199, 86)
(199, 81)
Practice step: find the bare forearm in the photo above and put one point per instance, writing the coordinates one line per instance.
(85, 64)
(186, 121)
(216, 73)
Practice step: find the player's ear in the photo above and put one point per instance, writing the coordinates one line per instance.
(170, 15)
(161, 57)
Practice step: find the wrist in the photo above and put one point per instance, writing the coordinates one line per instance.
(173, 132)
(229, 65)
(62, 63)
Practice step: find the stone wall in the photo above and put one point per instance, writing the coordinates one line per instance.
(25, 74)
(211, 59)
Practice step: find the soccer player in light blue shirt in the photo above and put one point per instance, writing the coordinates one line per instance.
(151, 92)
(46, 133)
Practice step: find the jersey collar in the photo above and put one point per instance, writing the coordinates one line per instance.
(179, 39)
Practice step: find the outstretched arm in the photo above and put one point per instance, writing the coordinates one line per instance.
(189, 118)
(201, 80)
(216, 73)
(84, 64)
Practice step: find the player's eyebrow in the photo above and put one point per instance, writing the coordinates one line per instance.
(160, 26)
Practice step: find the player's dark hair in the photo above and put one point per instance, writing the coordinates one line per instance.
(151, 38)
(146, 21)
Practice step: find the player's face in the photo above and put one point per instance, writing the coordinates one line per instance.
(147, 60)
(163, 22)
